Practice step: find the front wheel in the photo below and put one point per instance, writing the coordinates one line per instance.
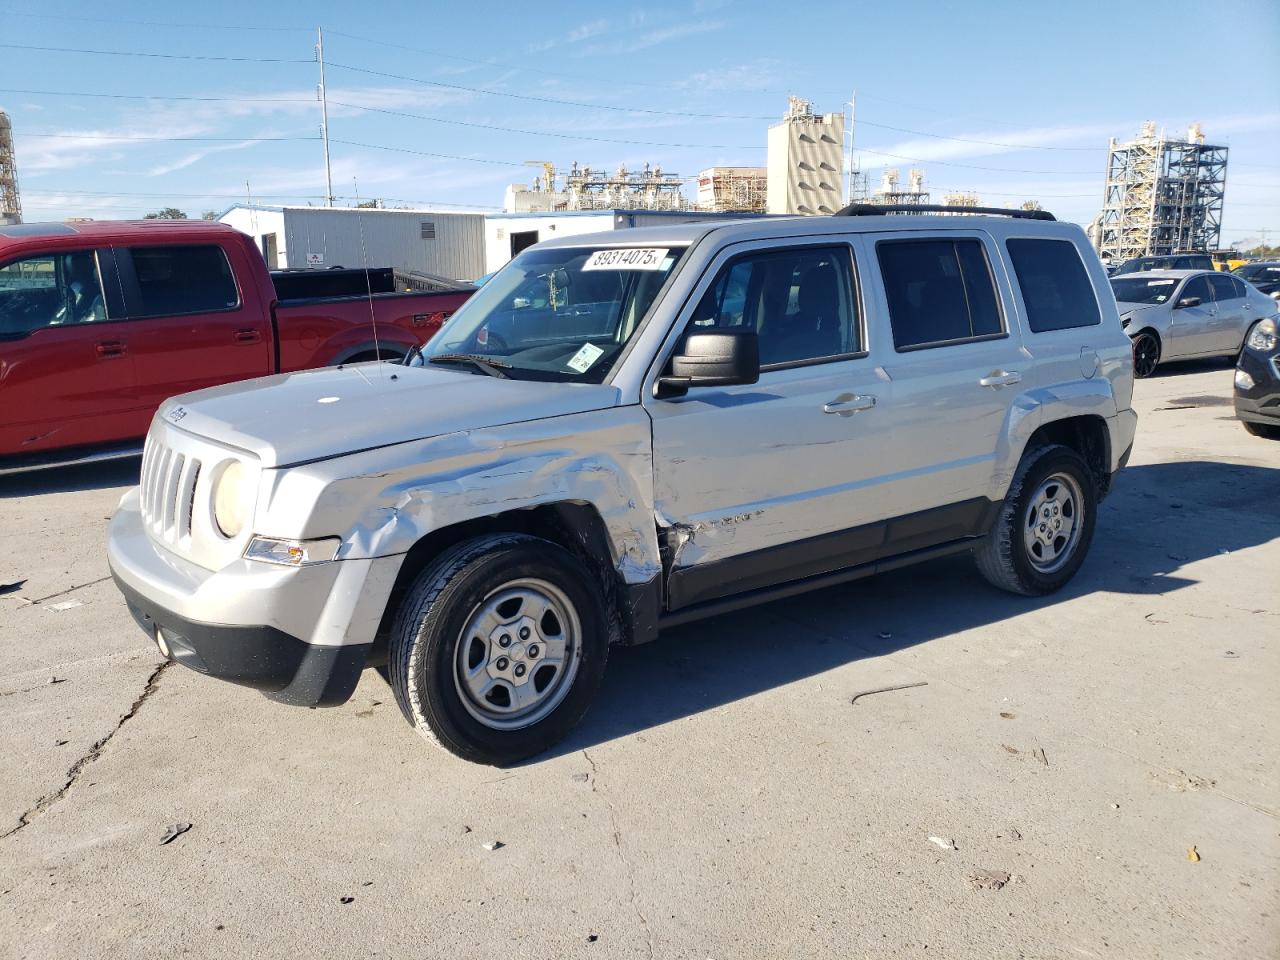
(498, 648)
(1261, 430)
(1045, 525)
(1146, 354)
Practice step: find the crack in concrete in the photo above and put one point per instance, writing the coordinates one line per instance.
(77, 769)
(617, 843)
(78, 586)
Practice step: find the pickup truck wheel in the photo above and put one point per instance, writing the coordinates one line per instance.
(498, 648)
(1045, 525)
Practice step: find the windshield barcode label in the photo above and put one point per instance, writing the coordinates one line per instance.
(637, 258)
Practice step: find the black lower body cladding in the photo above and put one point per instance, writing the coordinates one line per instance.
(281, 666)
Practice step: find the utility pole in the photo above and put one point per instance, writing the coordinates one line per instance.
(324, 119)
(853, 115)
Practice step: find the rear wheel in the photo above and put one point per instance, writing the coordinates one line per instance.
(1045, 525)
(1146, 354)
(380, 354)
(498, 648)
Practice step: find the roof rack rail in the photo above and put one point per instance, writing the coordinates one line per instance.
(876, 209)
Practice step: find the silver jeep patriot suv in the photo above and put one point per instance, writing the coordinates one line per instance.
(625, 431)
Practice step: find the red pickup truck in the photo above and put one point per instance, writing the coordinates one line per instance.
(101, 322)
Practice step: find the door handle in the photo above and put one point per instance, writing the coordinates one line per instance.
(847, 404)
(248, 336)
(110, 348)
(1000, 378)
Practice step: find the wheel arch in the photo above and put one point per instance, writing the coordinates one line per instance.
(1087, 435)
(574, 525)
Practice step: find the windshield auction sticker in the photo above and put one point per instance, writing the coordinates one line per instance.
(584, 358)
(631, 258)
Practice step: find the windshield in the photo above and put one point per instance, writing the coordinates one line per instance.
(1140, 290)
(560, 313)
(1262, 272)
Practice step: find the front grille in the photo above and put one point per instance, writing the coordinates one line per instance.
(167, 490)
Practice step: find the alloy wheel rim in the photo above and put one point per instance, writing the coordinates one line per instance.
(1053, 522)
(516, 659)
(1145, 355)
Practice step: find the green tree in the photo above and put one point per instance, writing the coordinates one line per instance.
(168, 213)
(209, 215)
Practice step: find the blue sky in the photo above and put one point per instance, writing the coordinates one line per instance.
(683, 85)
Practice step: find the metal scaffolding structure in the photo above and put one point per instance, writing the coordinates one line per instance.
(733, 189)
(588, 188)
(960, 200)
(1162, 196)
(10, 200)
(892, 192)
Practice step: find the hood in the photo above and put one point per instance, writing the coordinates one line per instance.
(1135, 309)
(297, 417)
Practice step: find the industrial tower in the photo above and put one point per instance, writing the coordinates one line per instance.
(10, 202)
(1162, 196)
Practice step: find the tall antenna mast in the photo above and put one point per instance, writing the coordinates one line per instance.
(324, 119)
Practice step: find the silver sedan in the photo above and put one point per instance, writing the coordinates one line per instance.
(1184, 314)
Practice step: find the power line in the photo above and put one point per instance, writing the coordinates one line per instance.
(152, 23)
(545, 133)
(158, 56)
(539, 99)
(150, 96)
(137, 139)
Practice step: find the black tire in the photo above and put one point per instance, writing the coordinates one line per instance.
(383, 354)
(1146, 353)
(427, 662)
(1003, 556)
(1264, 430)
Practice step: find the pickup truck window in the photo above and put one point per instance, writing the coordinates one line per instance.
(50, 290)
(561, 313)
(939, 292)
(175, 280)
(800, 302)
(1055, 287)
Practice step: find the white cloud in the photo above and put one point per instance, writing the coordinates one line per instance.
(196, 156)
(654, 38)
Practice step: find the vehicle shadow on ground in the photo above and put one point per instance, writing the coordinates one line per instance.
(1181, 368)
(71, 479)
(1159, 519)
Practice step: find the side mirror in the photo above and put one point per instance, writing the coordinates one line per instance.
(1189, 302)
(714, 359)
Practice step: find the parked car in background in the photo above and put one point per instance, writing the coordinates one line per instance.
(625, 431)
(101, 322)
(1257, 385)
(1264, 275)
(1186, 314)
(1177, 261)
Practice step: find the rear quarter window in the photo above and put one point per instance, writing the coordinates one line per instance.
(1055, 286)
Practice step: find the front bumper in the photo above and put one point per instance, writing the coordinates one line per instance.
(300, 635)
(1261, 402)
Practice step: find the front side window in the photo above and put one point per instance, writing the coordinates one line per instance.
(1055, 287)
(1197, 287)
(939, 291)
(800, 302)
(559, 313)
(182, 279)
(50, 290)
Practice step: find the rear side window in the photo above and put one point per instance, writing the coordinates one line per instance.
(939, 292)
(1055, 286)
(177, 280)
(1226, 288)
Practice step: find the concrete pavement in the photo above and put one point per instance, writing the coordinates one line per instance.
(724, 798)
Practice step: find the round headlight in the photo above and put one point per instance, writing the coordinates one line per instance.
(229, 500)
